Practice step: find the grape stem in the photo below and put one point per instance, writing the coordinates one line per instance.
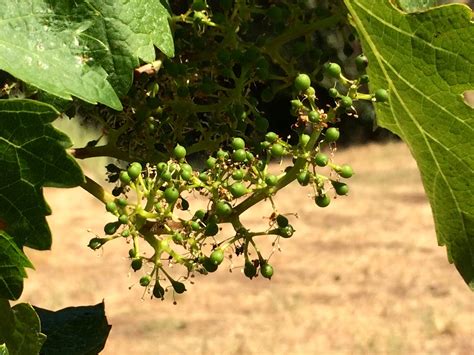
(97, 190)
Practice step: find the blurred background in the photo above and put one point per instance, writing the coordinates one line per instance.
(362, 276)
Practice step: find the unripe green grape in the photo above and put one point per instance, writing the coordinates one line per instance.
(321, 159)
(361, 62)
(221, 154)
(340, 187)
(271, 137)
(346, 101)
(345, 171)
(304, 139)
(323, 200)
(111, 207)
(195, 226)
(314, 116)
(136, 264)
(223, 208)
(158, 290)
(364, 79)
(178, 287)
(211, 229)
(200, 214)
(238, 189)
(177, 238)
(171, 194)
(145, 280)
(296, 104)
(304, 177)
(282, 221)
(124, 177)
(199, 5)
(125, 233)
(237, 143)
(217, 256)
(179, 152)
(286, 232)
(302, 82)
(332, 134)
(95, 243)
(250, 270)
(111, 227)
(211, 162)
(238, 174)
(123, 219)
(203, 177)
(134, 170)
(333, 92)
(209, 265)
(131, 253)
(186, 175)
(277, 150)
(250, 157)
(239, 155)
(381, 95)
(271, 180)
(311, 92)
(161, 167)
(266, 270)
(122, 202)
(333, 70)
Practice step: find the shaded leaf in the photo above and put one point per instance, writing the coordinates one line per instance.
(86, 49)
(12, 268)
(7, 323)
(32, 155)
(426, 61)
(74, 330)
(27, 337)
(416, 5)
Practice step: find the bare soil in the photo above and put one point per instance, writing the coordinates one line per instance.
(362, 276)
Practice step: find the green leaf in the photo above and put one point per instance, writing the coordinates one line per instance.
(26, 338)
(426, 61)
(74, 330)
(416, 5)
(3, 349)
(12, 268)
(7, 323)
(86, 49)
(32, 155)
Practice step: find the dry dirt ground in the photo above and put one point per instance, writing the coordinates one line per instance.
(363, 276)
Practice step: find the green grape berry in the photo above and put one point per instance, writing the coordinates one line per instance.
(340, 188)
(217, 256)
(124, 177)
(332, 134)
(333, 92)
(111, 207)
(239, 155)
(145, 280)
(271, 137)
(314, 116)
(178, 238)
(310, 92)
(223, 208)
(209, 265)
(111, 227)
(178, 287)
(195, 226)
(381, 95)
(346, 101)
(266, 270)
(186, 175)
(364, 79)
(282, 221)
(200, 214)
(304, 177)
(250, 270)
(199, 5)
(323, 200)
(95, 243)
(333, 70)
(211, 229)
(238, 174)
(286, 232)
(222, 154)
(134, 170)
(171, 194)
(125, 233)
(345, 171)
(304, 139)
(361, 62)
(271, 180)
(238, 189)
(302, 82)
(136, 264)
(122, 202)
(277, 150)
(321, 159)
(179, 152)
(211, 162)
(238, 143)
(158, 291)
(123, 219)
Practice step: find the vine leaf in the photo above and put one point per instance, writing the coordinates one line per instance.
(87, 49)
(12, 268)
(416, 5)
(32, 155)
(74, 330)
(426, 61)
(25, 330)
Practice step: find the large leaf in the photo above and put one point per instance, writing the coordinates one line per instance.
(12, 268)
(426, 61)
(416, 5)
(86, 49)
(74, 330)
(32, 155)
(26, 337)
